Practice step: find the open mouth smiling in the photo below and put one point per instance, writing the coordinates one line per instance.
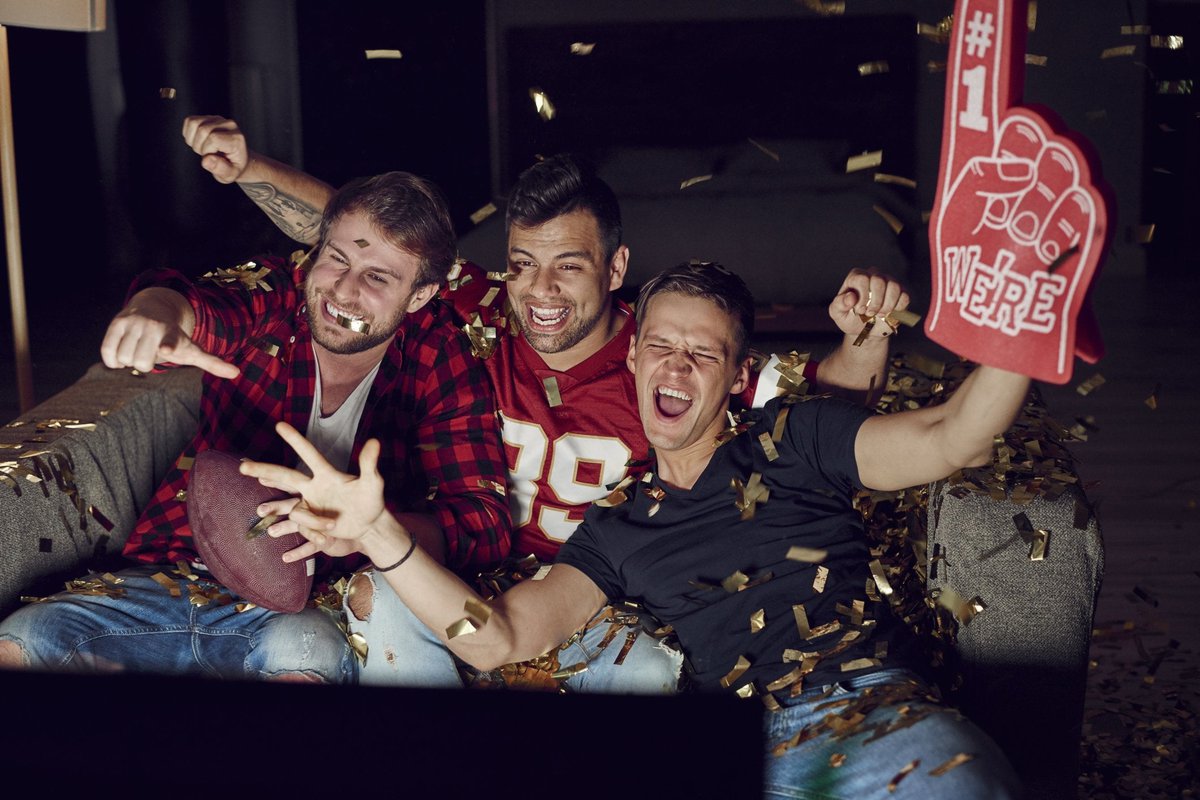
(354, 322)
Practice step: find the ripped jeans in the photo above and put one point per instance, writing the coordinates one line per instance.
(881, 735)
(402, 651)
(148, 630)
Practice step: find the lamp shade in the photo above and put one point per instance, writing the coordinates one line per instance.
(56, 15)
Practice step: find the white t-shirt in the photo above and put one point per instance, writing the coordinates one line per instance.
(333, 435)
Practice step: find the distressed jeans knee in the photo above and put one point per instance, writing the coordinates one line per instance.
(400, 649)
(360, 596)
(12, 654)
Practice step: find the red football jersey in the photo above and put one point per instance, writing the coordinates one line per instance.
(567, 435)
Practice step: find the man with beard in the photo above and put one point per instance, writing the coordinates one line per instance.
(356, 349)
(566, 400)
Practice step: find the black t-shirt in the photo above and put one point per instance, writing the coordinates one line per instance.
(673, 555)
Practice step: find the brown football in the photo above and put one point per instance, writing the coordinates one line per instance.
(222, 508)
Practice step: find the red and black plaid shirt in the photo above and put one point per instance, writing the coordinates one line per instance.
(430, 406)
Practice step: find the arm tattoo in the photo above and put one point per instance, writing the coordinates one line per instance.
(298, 219)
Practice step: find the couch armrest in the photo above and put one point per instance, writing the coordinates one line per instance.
(1023, 659)
(100, 447)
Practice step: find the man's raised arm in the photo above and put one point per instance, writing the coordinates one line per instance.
(292, 199)
(910, 448)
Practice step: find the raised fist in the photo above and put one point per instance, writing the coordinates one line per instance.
(1018, 226)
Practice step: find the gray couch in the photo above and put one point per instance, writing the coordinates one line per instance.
(99, 449)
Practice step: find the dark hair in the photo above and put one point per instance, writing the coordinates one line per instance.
(409, 213)
(559, 185)
(712, 282)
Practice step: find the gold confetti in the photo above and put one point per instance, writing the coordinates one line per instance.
(542, 104)
(483, 213)
(837, 759)
(904, 317)
(826, 8)
(819, 580)
(750, 495)
(802, 621)
(502, 276)
(786, 680)
(891, 219)
(478, 611)
(907, 768)
(934, 67)
(1037, 548)
(1152, 400)
(865, 332)
(865, 160)
(495, 486)
(630, 638)
(489, 297)
(1135, 30)
(1062, 258)
(461, 628)
(809, 555)
(1167, 42)
(780, 424)
(693, 181)
(1090, 385)
(873, 68)
(1173, 87)
(185, 462)
(898, 180)
(569, 672)
(769, 153)
(963, 610)
(1122, 50)
(373, 54)
(358, 643)
(881, 580)
(768, 446)
(1031, 15)
(860, 663)
(351, 324)
(758, 621)
(738, 670)
(550, 384)
(956, 761)
(171, 586)
(745, 692)
(1035, 61)
(261, 526)
(735, 581)
(582, 48)
(167, 93)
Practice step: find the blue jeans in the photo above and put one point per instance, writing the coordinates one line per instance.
(858, 763)
(148, 630)
(401, 650)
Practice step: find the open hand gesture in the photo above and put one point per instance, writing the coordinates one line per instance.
(335, 510)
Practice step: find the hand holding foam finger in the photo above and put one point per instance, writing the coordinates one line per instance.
(1019, 223)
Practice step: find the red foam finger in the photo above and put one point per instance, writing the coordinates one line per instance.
(1012, 263)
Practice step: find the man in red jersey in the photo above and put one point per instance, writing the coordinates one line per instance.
(554, 337)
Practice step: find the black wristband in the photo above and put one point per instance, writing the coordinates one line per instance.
(411, 547)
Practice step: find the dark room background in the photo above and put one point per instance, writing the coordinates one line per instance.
(108, 188)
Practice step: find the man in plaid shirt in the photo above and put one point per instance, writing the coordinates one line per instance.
(358, 348)
(569, 422)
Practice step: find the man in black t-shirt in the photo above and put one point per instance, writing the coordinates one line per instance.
(742, 538)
